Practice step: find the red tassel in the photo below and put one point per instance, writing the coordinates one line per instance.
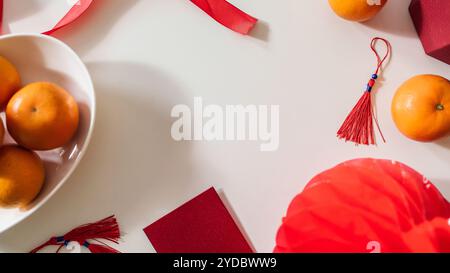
(358, 127)
(51, 242)
(100, 248)
(106, 229)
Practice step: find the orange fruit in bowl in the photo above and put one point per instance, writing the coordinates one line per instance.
(357, 10)
(42, 116)
(421, 108)
(9, 81)
(22, 175)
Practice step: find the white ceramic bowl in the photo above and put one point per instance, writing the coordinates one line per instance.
(43, 58)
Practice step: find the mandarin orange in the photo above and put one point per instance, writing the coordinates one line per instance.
(357, 10)
(22, 175)
(42, 116)
(9, 81)
(421, 108)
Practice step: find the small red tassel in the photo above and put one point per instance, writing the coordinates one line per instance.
(100, 248)
(106, 229)
(51, 242)
(358, 127)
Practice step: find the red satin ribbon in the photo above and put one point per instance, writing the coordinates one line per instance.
(228, 15)
(79, 8)
(222, 11)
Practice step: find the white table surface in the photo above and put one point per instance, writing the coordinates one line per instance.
(146, 56)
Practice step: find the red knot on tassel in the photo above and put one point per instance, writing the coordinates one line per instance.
(106, 229)
(358, 127)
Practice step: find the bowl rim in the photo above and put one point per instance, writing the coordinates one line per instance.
(82, 152)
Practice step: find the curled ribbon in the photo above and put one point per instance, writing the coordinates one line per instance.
(227, 15)
(220, 10)
(78, 8)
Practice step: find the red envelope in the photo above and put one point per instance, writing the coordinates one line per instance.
(202, 225)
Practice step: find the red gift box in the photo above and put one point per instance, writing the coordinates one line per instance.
(432, 21)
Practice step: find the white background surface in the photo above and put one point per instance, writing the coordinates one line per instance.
(146, 56)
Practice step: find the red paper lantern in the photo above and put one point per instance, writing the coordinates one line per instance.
(367, 205)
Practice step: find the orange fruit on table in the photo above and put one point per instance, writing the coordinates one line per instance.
(9, 81)
(42, 116)
(22, 175)
(357, 10)
(421, 108)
